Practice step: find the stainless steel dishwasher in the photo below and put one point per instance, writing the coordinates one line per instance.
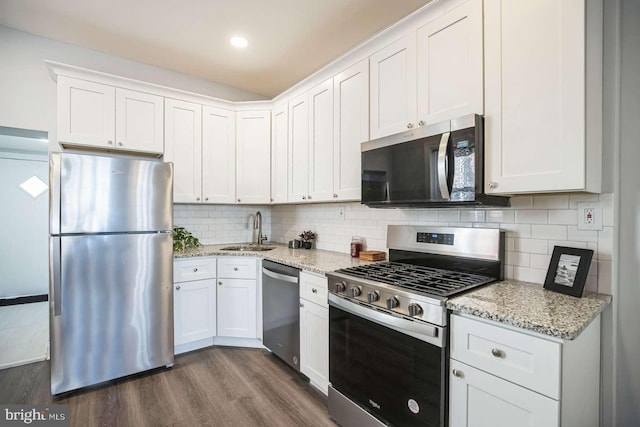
(281, 311)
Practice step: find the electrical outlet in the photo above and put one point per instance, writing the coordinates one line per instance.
(340, 213)
(589, 216)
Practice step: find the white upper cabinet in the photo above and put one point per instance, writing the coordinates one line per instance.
(351, 128)
(183, 147)
(321, 142)
(543, 95)
(218, 155)
(450, 65)
(254, 156)
(299, 148)
(279, 153)
(393, 87)
(102, 116)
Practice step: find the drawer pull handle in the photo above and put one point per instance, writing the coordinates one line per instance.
(195, 269)
(314, 290)
(498, 353)
(458, 373)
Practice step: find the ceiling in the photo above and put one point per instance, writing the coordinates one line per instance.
(288, 39)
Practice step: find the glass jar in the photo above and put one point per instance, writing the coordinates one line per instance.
(356, 246)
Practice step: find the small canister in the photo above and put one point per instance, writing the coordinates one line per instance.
(356, 246)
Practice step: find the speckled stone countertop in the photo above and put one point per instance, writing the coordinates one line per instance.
(315, 260)
(529, 306)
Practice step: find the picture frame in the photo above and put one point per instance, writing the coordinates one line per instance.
(568, 269)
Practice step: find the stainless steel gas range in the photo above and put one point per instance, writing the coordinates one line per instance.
(388, 336)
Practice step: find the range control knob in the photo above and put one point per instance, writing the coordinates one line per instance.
(340, 286)
(355, 291)
(373, 296)
(415, 309)
(392, 302)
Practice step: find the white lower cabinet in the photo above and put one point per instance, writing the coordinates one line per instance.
(505, 376)
(314, 330)
(237, 308)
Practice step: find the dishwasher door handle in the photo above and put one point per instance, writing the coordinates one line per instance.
(278, 276)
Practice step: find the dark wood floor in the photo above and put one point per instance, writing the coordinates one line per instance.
(211, 387)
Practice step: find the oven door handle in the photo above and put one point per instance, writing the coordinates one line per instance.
(419, 330)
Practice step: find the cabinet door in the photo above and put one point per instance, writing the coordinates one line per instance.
(183, 147)
(299, 148)
(254, 156)
(194, 308)
(393, 87)
(314, 343)
(279, 153)
(139, 121)
(321, 142)
(86, 113)
(534, 95)
(237, 308)
(450, 65)
(218, 155)
(480, 399)
(351, 128)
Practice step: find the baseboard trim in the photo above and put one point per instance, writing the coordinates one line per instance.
(23, 300)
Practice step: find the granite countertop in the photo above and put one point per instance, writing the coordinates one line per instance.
(315, 260)
(529, 306)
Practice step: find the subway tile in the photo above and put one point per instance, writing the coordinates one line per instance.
(517, 230)
(591, 284)
(563, 217)
(605, 243)
(604, 277)
(485, 225)
(472, 216)
(427, 215)
(510, 244)
(522, 202)
(549, 232)
(508, 272)
(551, 202)
(574, 199)
(517, 259)
(539, 261)
(526, 274)
(566, 243)
(608, 209)
(532, 246)
(502, 216)
(449, 216)
(593, 268)
(531, 216)
(581, 235)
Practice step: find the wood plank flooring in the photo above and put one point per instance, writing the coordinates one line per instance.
(219, 386)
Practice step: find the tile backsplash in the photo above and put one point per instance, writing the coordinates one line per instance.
(534, 225)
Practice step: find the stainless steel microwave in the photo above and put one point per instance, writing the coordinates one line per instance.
(437, 165)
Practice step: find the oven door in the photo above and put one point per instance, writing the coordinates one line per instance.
(394, 372)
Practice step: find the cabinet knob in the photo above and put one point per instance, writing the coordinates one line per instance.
(498, 353)
(178, 288)
(458, 373)
(195, 269)
(493, 185)
(301, 305)
(409, 125)
(198, 199)
(314, 290)
(238, 200)
(304, 197)
(206, 199)
(272, 199)
(220, 283)
(309, 197)
(235, 268)
(120, 144)
(421, 123)
(335, 195)
(110, 142)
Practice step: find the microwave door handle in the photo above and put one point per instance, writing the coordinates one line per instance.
(442, 165)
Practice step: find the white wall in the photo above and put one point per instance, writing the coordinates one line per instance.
(28, 92)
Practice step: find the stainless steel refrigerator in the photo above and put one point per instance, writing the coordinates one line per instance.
(111, 268)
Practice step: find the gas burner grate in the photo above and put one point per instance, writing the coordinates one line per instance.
(418, 278)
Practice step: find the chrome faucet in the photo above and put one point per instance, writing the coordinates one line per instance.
(257, 225)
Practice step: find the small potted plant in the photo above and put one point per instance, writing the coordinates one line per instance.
(183, 239)
(307, 239)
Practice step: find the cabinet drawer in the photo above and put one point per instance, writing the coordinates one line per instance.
(237, 267)
(313, 288)
(526, 360)
(185, 270)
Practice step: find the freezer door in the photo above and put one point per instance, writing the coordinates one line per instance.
(111, 310)
(98, 194)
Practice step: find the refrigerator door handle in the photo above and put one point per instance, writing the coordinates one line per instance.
(54, 193)
(56, 277)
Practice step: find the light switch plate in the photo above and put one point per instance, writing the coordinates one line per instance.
(589, 216)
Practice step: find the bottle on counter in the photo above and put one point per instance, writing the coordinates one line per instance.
(356, 246)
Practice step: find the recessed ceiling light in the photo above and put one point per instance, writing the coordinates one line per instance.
(239, 42)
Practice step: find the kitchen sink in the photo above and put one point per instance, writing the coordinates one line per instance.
(250, 248)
